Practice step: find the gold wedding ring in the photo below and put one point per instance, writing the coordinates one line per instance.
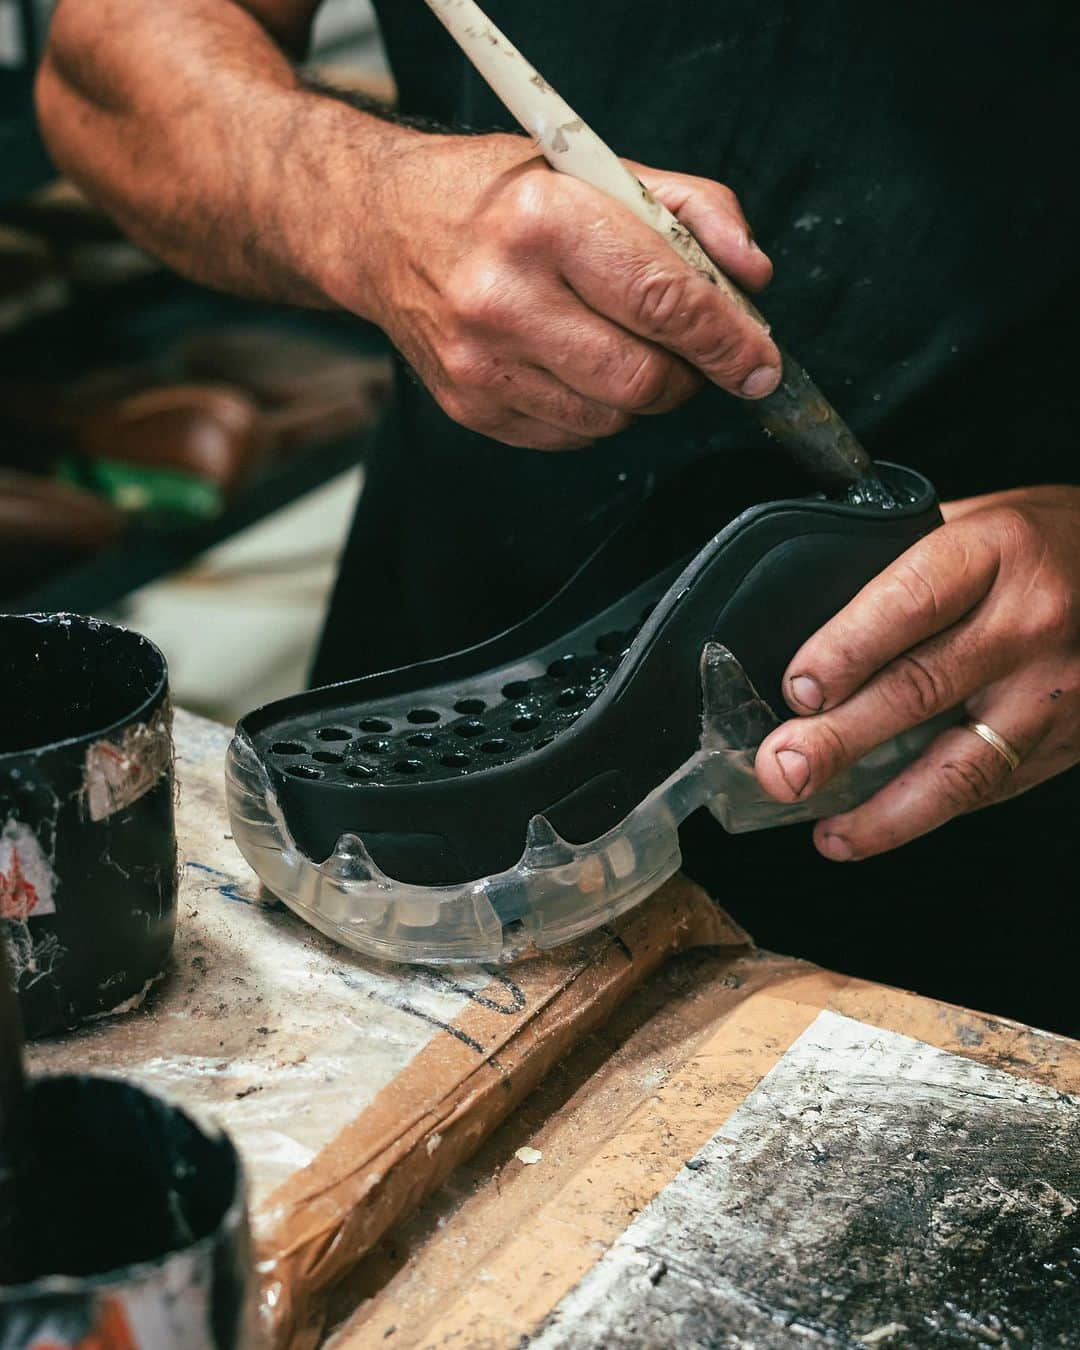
(999, 743)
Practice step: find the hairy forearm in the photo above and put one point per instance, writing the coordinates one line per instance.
(189, 124)
(536, 310)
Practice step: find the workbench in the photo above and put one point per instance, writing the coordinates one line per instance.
(660, 1136)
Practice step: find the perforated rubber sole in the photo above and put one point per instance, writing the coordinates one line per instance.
(512, 796)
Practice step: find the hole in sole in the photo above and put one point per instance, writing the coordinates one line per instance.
(422, 739)
(470, 705)
(288, 748)
(456, 760)
(361, 772)
(495, 746)
(566, 698)
(515, 689)
(376, 724)
(417, 715)
(564, 666)
(543, 741)
(528, 722)
(375, 745)
(469, 728)
(333, 734)
(409, 766)
(328, 757)
(304, 771)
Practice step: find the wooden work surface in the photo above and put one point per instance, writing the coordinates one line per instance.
(351, 1088)
(734, 1149)
(755, 1154)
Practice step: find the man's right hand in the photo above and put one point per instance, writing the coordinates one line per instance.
(538, 311)
(535, 309)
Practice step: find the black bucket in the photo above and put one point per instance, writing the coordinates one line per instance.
(87, 839)
(129, 1227)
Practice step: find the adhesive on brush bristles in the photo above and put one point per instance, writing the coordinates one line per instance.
(870, 490)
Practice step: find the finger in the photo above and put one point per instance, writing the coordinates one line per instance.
(625, 271)
(712, 214)
(1052, 701)
(799, 757)
(482, 386)
(958, 773)
(603, 362)
(934, 584)
(546, 325)
(537, 395)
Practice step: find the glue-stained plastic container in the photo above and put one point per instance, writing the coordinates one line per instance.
(87, 838)
(129, 1226)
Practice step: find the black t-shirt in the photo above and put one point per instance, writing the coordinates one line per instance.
(912, 171)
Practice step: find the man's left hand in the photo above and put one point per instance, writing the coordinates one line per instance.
(985, 613)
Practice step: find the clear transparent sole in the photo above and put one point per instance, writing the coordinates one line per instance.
(557, 891)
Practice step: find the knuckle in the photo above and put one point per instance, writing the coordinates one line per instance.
(721, 198)
(642, 384)
(723, 342)
(465, 365)
(606, 421)
(1050, 610)
(728, 355)
(477, 295)
(965, 783)
(528, 220)
(913, 689)
(583, 417)
(912, 593)
(1016, 531)
(657, 295)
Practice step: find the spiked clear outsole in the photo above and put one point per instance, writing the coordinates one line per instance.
(557, 891)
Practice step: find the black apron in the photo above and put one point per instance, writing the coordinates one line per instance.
(910, 169)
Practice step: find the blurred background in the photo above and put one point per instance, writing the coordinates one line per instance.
(182, 461)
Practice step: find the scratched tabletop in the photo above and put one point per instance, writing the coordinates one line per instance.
(756, 1154)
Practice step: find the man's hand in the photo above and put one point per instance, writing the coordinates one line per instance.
(984, 612)
(538, 311)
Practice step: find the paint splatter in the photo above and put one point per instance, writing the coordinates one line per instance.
(120, 772)
(871, 1190)
(27, 881)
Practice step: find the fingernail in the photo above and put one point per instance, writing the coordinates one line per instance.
(795, 768)
(836, 847)
(806, 691)
(760, 382)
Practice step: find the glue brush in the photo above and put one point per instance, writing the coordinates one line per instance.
(797, 413)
